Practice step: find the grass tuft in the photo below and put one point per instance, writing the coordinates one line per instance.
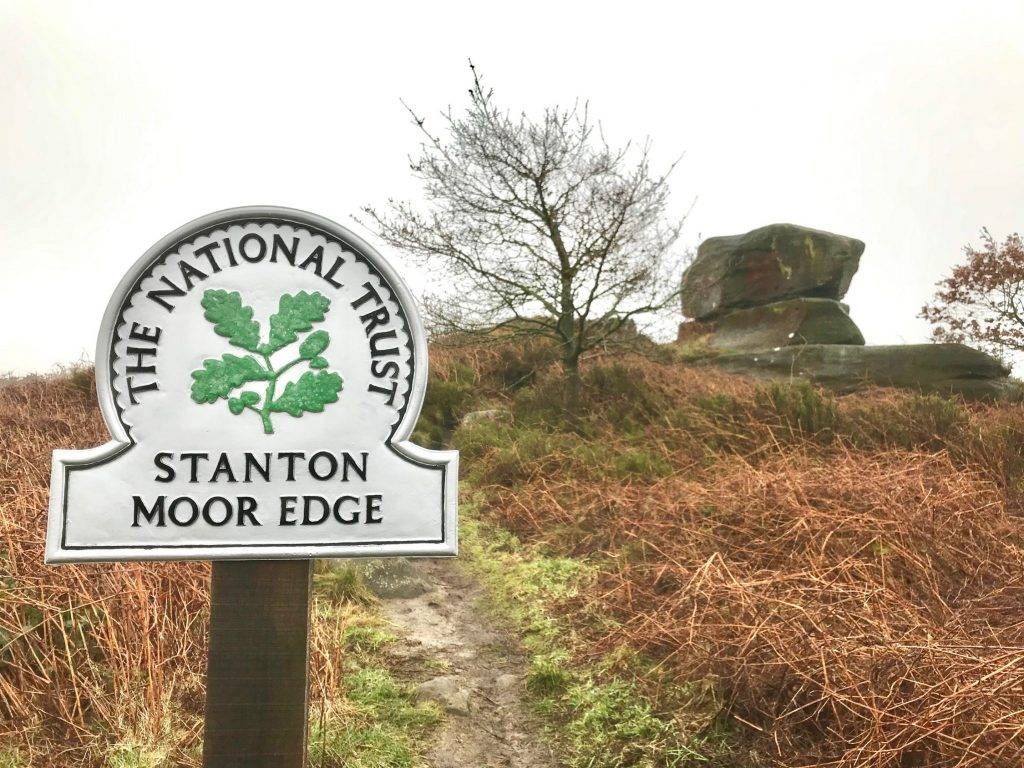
(341, 582)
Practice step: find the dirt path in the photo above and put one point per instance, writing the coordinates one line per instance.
(480, 674)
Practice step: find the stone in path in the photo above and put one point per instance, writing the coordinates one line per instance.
(481, 674)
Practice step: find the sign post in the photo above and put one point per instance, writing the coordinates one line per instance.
(256, 691)
(260, 371)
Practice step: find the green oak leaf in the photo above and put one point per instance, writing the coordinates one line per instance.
(218, 377)
(314, 344)
(237, 404)
(231, 318)
(295, 313)
(249, 398)
(309, 394)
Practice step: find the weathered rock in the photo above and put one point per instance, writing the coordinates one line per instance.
(393, 578)
(508, 682)
(773, 263)
(935, 368)
(446, 691)
(783, 324)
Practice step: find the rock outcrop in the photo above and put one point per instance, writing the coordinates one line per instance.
(933, 368)
(783, 324)
(776, 286)
(780, 261)
(767, 304)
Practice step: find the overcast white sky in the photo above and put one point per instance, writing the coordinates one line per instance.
(898, 123)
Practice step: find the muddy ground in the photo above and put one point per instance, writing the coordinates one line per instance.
(440, 614)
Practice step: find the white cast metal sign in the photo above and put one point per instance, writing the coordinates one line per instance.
(260, 371)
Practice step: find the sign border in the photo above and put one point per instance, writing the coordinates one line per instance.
(66, 461)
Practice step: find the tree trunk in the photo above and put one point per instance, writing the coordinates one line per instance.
(573, 384)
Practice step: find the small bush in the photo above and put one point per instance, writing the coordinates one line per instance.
(503, 454)
(906, 421)
(693, 351)
(82, 378)
(447, 400)
(994, 440)
(720, 404)
(608, 392)
(618, 394)
(802, 409)
(518, 365)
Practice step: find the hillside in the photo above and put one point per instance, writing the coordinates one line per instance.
(702, 570)
(790, 578)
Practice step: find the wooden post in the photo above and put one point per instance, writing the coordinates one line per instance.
(256, 673)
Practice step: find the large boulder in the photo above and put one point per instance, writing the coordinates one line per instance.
(784, 324)
(769, 264)
(935, 368)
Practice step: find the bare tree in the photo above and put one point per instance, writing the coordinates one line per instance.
(536, 226)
